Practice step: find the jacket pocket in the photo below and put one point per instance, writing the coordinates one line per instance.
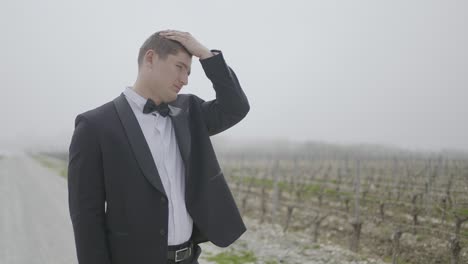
(216, 176)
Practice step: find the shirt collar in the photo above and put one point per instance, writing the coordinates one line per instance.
(139, 100)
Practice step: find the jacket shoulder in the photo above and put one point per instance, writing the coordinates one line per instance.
(184, 100)
(98, 114)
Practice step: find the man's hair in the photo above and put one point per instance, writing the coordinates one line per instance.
(162, 46)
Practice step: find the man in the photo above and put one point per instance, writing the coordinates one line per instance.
(144, 182)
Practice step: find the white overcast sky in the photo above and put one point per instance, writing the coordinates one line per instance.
(381, 72)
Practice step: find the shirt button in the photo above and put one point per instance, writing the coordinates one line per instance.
(162, 232)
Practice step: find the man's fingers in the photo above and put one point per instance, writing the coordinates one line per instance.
(187, 40)
(176, 38)
(175, 32)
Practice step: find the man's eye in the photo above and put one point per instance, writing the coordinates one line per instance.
(178, 66)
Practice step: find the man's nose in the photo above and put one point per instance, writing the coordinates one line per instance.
(184, 79)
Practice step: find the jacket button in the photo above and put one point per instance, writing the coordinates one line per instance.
(162, 232)
(163, 200)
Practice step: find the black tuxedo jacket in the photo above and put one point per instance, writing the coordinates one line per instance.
(117, 203)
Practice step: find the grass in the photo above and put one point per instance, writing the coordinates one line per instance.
(310, 190)
(233, 258)
(399, 260)
(461, 212)
(420, 238)
(387, 259)
(44, 161)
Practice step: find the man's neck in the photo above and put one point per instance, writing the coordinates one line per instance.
(141, 89)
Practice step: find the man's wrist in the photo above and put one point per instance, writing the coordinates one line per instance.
(210, 54)
(205, 55)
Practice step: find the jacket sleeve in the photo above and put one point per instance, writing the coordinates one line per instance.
(231, 104)
(86, 195)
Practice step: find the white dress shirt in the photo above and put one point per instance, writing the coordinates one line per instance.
(160, 136)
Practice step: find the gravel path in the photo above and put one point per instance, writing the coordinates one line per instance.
(271, 245)
(35, 224)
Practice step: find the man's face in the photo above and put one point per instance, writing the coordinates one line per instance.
(168, 76)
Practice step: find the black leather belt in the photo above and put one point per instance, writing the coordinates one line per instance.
(178, 253)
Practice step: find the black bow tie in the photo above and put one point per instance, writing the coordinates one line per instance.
(150, 107)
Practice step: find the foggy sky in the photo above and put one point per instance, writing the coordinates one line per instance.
(380, 72)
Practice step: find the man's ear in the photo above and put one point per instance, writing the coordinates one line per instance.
(150, 58)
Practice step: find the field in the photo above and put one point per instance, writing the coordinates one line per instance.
(396, 205)
(401, 206)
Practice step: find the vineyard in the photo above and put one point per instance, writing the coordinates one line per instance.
(402, 207)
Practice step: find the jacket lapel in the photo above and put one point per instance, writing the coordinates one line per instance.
(180, 122)
(138, 143)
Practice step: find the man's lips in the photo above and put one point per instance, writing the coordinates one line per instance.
(177, 88)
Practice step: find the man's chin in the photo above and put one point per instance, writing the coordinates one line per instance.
(170, 100)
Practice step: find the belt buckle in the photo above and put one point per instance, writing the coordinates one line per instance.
(181, 250)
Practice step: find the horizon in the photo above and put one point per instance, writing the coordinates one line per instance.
(386, 73)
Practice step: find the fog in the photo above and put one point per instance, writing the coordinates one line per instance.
(348, 72)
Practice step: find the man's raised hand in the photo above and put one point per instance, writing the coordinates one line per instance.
(189, 42)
